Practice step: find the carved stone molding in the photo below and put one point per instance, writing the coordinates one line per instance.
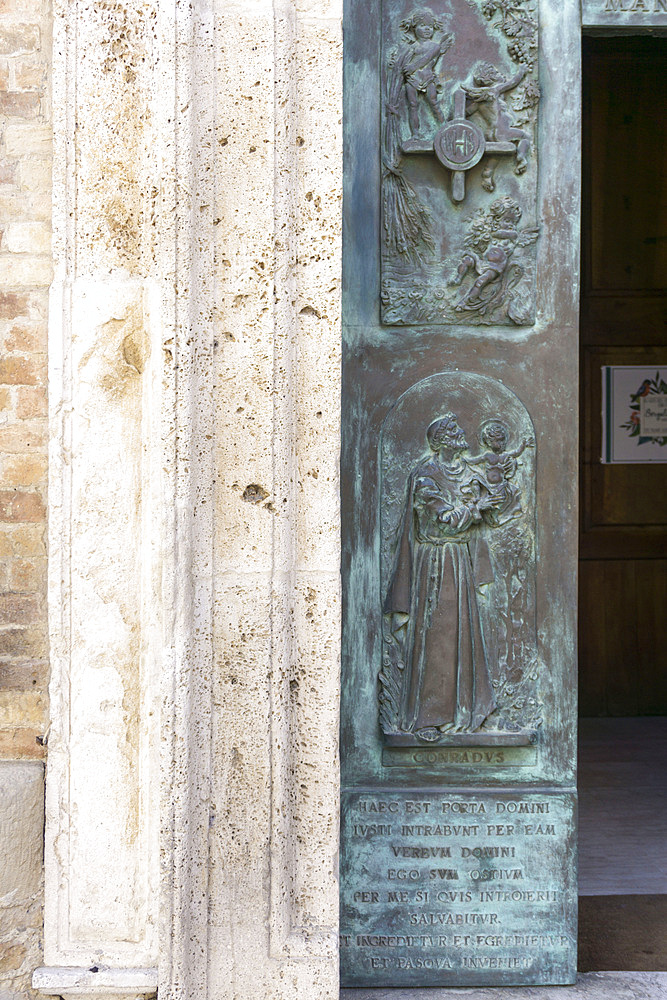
(114, 984)
(192, 792)
(107, 321)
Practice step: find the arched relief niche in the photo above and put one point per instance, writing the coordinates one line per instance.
(457, 566)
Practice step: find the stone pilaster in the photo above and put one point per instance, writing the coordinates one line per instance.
(194, 592)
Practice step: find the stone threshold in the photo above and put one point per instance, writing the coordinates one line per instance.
(96, 981)
(589, 986)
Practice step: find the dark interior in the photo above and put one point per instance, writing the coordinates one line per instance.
(623, 515)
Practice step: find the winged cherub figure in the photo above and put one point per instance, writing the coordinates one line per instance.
(493, 240)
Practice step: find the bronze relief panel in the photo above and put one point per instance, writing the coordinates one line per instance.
(457, 553)
(458, 189)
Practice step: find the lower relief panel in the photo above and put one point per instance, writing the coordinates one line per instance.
(458, 888)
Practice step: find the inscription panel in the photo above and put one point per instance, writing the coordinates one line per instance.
(624, 13)
(459, 887)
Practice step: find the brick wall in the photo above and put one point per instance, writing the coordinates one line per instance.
(25, 273)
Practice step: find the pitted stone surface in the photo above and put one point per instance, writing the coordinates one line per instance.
(21, 826)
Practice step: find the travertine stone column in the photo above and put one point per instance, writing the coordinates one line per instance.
(194, 593)
(109, 316)
(273, 890)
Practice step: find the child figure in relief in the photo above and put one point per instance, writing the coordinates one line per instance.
(485, 98)
(414, 66)
(499, 466)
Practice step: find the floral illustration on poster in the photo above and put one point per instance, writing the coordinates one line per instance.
(634, 414)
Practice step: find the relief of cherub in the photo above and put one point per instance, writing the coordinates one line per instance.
(493, 239)
(485, 99)
(499, 466)
(414, 67)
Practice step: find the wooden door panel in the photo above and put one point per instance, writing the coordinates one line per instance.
(623, 521)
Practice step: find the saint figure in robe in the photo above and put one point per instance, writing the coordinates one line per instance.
(441, 562)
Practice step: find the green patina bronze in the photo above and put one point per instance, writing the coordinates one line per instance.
(458, 471)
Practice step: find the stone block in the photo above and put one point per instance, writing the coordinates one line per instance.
(17, 743)
(23, 710)
(29, 74)
(21, 9)
(27, 237)
(34, 174)
(21, 439)
(13, 304)
(24, 642)
(6, 543)
(20, 609)
(25, 270)
(19, 38)
(21, 848)
(27, 540)
(27, 574)
(26, 337)
(27, 138)
(25, 470)
(17, 371)
(7, 171)
(23, 675)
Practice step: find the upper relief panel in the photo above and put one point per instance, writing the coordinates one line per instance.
(460, 98)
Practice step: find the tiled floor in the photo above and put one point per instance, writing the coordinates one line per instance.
(623, 806)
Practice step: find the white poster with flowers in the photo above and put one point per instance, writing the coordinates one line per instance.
(634, 414)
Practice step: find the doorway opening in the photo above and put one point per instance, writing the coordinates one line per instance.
(623, 525)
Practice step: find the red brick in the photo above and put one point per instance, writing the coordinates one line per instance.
(23, 675)
(19, 505)
(31, 402)
(17, 371)
(29, 75)
(19, 38)
(30, 643)
(13, 305)
(19, 439)
(19, 105)
(26, 337)
(20, 609)
(7, 171)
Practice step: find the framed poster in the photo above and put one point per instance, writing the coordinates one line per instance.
(634, 414)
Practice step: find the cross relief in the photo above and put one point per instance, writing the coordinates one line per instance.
(459, 145)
